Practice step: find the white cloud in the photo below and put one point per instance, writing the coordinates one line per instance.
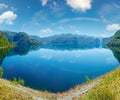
(113, 27)
(28, 7)
(7, 17)
(13, 8)
(60, 28)
(102, 35)
(44, 2)
(77, 32)
(54, 3)
(80, 5)
(117, 6)
(77, 19)
(72, 27)
(46, 32)
(104, 19)
(2, 5)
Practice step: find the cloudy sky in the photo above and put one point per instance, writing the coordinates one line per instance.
(49, 17)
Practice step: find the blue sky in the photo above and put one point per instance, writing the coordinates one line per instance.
(50, 17)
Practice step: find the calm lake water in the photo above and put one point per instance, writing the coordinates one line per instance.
(58, 70)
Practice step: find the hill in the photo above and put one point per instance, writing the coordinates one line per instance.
(9, 35)
(115, 40)
(21, 40)
(4, 43)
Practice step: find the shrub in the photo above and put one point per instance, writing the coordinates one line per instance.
(1, 72)
(21, 81)
(87, 78)
(18, 81)
(15, 80)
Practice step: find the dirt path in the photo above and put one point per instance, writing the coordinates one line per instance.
(78, 93)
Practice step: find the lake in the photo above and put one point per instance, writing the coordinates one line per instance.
(57, 70)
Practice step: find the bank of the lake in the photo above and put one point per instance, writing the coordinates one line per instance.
(11, 91)
(107, 89)
(103, 88)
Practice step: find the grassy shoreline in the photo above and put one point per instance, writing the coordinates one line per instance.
(107, 89)
(9, 90)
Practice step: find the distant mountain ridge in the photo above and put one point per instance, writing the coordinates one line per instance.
(79, 41)
(22, 39)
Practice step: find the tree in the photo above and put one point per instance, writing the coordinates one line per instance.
(21, 81)
(18, 81)
(15, 80)
(1, 72)
(87, 78)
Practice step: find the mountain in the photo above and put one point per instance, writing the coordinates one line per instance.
(9, 35)
(79, 41)
(105, 41)
(21, 39)
(115, 39)
(4, 43)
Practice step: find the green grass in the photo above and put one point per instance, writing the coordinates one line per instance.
(11, 91)
(108, 89)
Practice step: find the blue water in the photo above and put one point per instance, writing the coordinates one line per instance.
(58, 70)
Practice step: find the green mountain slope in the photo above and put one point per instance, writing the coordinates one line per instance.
(4, 43)
(115, 40)
(21, 39)
(9, 35)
